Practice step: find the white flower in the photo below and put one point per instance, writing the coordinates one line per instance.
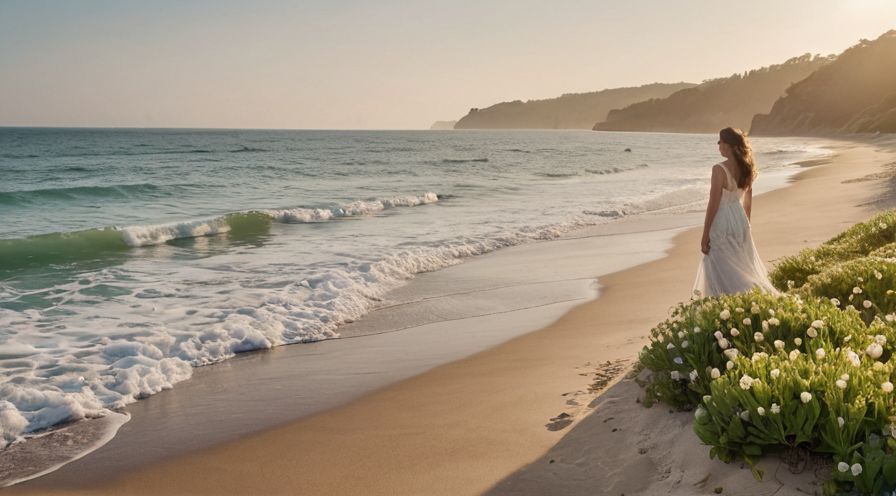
(747, 321)
(844, 377)
(758, 337)
(880, 339)
(878, 275)
(684, 344)
(853, 358)
(835, 302)
(754, 309)
(856, 290)
(696, 330)
(874, 350)
(840, 421)
(794, 354)
(867, 303)
(775, 373)
(819, 353)
(735, 333)
(693, 375)
(811, 332)
(729, 365)
(887, 387)
(877, 367)
(779, 344)
(725, 314)
(818, 324)
(856, 469)
(890, 317)
(723, 343)
(773, 321)
(745, 382)
(760, 411)
(798, 341)
(745, 416)
(843, 466)
(718, 335)
(700, 412)
(758, 355)
(775, 408)
(841, 383)
(739, 310)
(670, 346)
(771, 312)
(883, 225)
(764, 326)
(714, 373)
(675, 375)
(731, 353)
(678, 360)
(680, 334)
(805, 397)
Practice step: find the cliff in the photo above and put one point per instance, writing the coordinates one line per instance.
(570, 111)
(855, 93)
(717, 103)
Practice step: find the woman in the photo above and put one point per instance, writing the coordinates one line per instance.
(730, 262)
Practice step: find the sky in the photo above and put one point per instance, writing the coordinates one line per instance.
(389, 64)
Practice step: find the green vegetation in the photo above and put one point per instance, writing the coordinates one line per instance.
(874, 238)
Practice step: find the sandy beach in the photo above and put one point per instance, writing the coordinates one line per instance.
(543, 413)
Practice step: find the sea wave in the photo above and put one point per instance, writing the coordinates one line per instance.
(614, 170)
(34, 196)
(463, 160)
(112, 371)
(91, 244)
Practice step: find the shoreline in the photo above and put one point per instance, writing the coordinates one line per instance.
(419, 414)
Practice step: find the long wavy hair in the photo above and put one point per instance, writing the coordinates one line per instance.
(743, 155)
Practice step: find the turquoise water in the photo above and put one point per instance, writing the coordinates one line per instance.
(128, 257)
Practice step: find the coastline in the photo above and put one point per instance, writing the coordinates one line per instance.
(461, 427)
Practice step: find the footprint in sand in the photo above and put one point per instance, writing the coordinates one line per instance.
(559, 422)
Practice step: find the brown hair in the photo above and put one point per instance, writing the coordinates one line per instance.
(743, 155)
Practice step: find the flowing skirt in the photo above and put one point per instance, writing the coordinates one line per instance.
(732, 265)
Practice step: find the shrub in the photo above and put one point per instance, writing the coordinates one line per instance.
(702, 336)
(863, 283)
(766, 372)
(886, 251)
(858, 241)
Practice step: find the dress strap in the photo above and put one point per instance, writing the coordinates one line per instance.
(730, 178)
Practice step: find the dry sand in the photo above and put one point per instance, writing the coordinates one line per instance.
(494, 421)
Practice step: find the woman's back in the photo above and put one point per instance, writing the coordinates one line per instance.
(731, 263)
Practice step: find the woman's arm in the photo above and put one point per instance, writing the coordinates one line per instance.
(748, 201)
(715, 196)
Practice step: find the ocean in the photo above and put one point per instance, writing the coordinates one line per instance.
(128, 257)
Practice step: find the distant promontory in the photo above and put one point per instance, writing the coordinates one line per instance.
(442, 125)
(570, 111)
(716, 103)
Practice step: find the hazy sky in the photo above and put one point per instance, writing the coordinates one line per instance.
(388, 64)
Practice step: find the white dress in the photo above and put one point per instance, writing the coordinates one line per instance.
(732, 265)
